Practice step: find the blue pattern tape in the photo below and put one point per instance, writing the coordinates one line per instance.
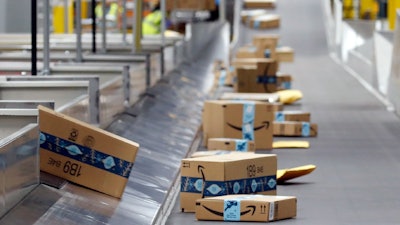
(305, 129)
(222, 78)
(218, 188)
(267, 79)
(248, 121)
(85, 155)
(241, 145)
(279, 117)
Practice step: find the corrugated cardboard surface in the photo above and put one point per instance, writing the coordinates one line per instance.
(259, 4)
(190, 4)
(231, 144)
(226, 174)
(265, 21)
(295, 129)
(298, 116)
(84, 154)
(250, 52)
(224, 119)
(285, 54)
(261, 208)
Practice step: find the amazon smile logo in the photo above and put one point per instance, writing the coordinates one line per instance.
(249, 209)
(265, 124)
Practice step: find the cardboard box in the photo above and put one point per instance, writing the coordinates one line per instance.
(249, 120)
(271, 98)
(226, 174)
(259, 4)
(268, 43)
(298, 116)
(250, 52)
(216, 152)
(285, 54)
(245, 15)
(265, 21)
(260, 208)
(84, 154)
(249, 80)
(268, 67)
(223, 77)
(232, 144)
(190, 4)
(295, 129)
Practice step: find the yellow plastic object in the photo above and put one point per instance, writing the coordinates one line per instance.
(289, 96)
(59, 16)
(368, 9)
(391, 7)
(290, 144)
(291, 173)
(348, 9)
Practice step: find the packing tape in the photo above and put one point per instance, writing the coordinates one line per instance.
(256, 24)
(305, 129)
(263, 79)
(85, 155)
(222, 78)
(279, 117)
(241, 145)
(248, 120)
(286, 85)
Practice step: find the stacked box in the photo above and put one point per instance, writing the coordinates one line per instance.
(231, 144)
(285, 54)
(225, 175)
(190, 4)
(298, 116)
(248, 120)
(84, 154)
(257, 208)
(271, 98)
(265, 21)
(259, 4)
(295, 129)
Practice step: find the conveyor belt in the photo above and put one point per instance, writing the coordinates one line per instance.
(357, 150)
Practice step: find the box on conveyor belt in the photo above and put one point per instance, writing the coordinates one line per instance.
(250, 52)
(190, 4)
(264, 21)
(216, 152)
(295, 129)
(250, 81)
(285, 54)
(224, 77)
(84, 154)
(257, 208)
(226, 175)
(250, 120)
(268, 43)
(259, 4)
(268, 67)
(245, 15)
(232, 144)
(298, 116)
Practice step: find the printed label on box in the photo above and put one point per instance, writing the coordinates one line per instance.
(232, 210)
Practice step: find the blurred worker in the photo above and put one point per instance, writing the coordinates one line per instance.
(113, 13)
(152, 22)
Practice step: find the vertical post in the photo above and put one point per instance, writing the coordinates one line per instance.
(66, 10)
(93, 11)
(46, 38)
(78, 21)
(163, 26)
(127, 85)
(33, 37)
(148, 71)
(103, 26)
(137, 38)
(222, 11)
(124, 22)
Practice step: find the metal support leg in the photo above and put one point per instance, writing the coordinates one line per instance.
(93, 11)
(103, 27)
(78, 20)
(124, 22)
(94, 101)
(127, 85)
(162, 62)
(137, 37)
(33, 37)
(46, 39)
(148, 71)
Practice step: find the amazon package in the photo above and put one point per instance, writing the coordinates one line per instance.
(250, 208)
(298, 116)
(248, 120)
(266, 21)
(250, 52)
(271, 98)
(216, 152)
(259, 4)
(295, 129)
(224, 77)
(232, 144)
(190, 5)
(249, 80)
(84, 154)
(267, 67)
(219, 175)
(284, 54)
(267, 43)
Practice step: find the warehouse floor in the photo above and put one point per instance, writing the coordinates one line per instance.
(357, 149)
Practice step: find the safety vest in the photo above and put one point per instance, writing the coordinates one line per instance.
(152, 23)
(112, 13)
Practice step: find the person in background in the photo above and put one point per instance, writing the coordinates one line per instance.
(151, 24)
(113, 14)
